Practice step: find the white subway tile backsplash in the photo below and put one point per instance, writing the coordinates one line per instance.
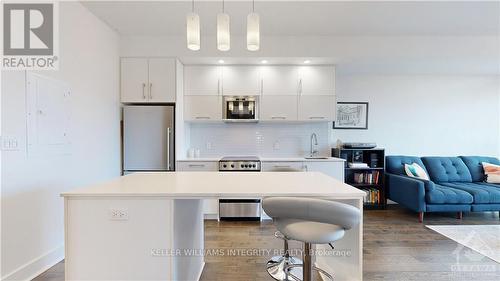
(262, 139)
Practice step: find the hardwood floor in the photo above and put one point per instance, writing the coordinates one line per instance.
(396, 247)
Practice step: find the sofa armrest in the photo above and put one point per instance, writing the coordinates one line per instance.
(408, 191)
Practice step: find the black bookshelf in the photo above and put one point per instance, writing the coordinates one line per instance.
(370, 179)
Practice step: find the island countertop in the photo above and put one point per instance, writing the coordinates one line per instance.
(221, 184)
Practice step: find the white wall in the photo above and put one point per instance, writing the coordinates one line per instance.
(32, 212)
(426, 114)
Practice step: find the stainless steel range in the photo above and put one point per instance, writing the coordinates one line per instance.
(240, 209)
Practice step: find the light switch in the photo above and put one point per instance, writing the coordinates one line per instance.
(9, 143)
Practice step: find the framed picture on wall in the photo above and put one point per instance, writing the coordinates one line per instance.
(351, 115)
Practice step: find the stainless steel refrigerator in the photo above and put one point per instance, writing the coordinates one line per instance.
(148, 138)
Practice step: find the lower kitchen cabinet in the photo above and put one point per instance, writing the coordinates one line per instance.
(282, 166)
(333, 169)
(210, 206)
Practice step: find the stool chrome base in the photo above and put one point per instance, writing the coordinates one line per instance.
(282, 268)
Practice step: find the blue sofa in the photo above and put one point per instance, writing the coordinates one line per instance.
(456, 185)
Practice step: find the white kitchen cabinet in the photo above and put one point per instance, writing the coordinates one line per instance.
(279, 80)
(147, 80)
(334, 169)
(202, 108)
(241, 80)
(161, 80)
(194, 166)
(282, 166)
(316, 108)
(278, 108)
(210, 206)
(202, 80)
(134, 80)
(317, 80)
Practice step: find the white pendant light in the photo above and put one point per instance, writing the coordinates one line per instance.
(253, 30)
(223, 31)
(193, 30)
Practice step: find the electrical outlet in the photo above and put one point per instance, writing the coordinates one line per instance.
(118, 214)
(276, 145)
(9, 143)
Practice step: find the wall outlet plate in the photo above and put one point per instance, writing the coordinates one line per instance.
(117, 214)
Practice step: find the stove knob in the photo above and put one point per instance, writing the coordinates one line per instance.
(253, 165)
(243, 166)
(232, 166)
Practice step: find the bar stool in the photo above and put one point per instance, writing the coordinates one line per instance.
(311, 221)
(276, 265)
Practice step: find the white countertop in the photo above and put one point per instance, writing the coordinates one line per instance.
(220, 185)
(266, 159)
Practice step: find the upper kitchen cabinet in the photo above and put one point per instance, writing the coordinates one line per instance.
(316, 108)
(161, 80)
(202, 108)
(317, 80)
(241, 80)
(279, 80)
(134, 80)
(202, 80)
(146, 80)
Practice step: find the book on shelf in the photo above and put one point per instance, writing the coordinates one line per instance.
(372, 196)
(367, 177)
(357, 165)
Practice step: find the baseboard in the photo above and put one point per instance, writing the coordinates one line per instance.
(211, 216)
(36, 266)
(201, 271)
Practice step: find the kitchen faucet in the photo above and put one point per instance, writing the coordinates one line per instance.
(315, 139)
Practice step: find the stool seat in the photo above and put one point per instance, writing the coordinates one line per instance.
(312, 232)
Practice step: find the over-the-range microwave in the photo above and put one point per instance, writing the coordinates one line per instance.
(241, 109)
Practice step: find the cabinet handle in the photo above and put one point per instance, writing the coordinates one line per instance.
(278, 117)
(261, 86)
(143, 91)
(300, 86)
(218, 87)
(317, 117)
(168, 149)
(196, 165)
(202, 117)
(150, 90)
(306, 168)
(282, 166)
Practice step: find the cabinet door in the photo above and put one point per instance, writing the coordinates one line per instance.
(333, 169)
(202, 80)
(279, 80)
(134, 80)
(161, 86)
(282, 166)
(317, 80)
(197, 166)
(202, 108)
(317, 108)
(278, 108)
(241, 80)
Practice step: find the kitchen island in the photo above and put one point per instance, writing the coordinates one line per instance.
(149, 226)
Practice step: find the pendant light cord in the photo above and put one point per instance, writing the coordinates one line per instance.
(223, 6)
(253, 6)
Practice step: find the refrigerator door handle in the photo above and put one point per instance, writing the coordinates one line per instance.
(168, 149)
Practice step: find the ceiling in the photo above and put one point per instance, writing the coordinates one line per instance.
(307, 18)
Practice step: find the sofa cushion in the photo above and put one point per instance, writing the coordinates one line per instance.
(447, 195)
(482, 193)
(447, 169)
(474, 163)
(416, 171)
(396, 164)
